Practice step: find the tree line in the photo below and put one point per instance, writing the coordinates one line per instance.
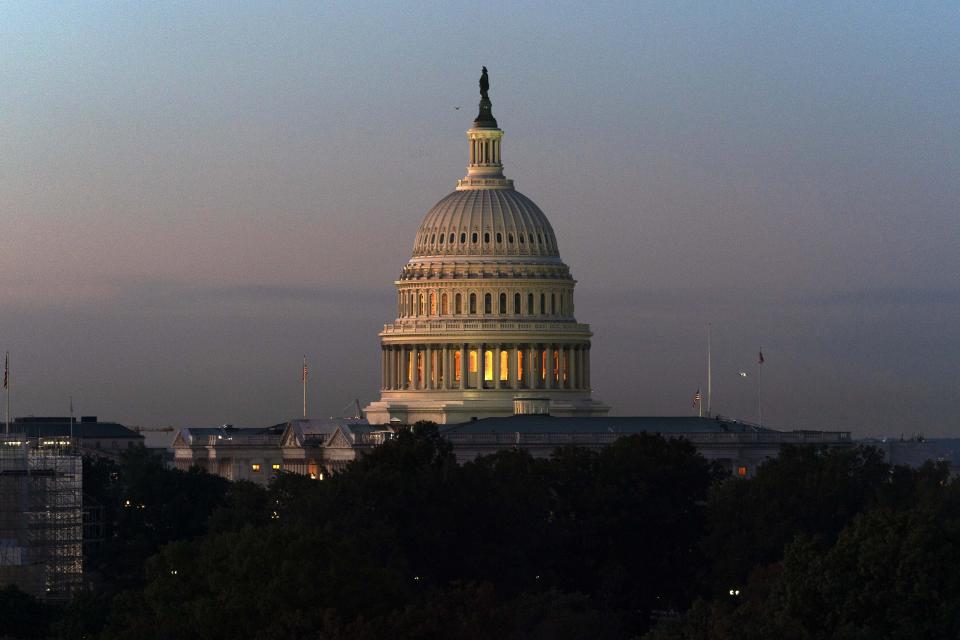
(642, 539)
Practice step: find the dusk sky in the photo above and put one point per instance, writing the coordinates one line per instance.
(195, 195)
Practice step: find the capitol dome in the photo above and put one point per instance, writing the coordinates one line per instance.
(484, 306)
(485, 222)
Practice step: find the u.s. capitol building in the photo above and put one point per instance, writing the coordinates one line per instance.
(486, 344)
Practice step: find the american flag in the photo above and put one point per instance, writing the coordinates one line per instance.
(305, 370)
(696, 398)
(6, 369)
(760, 357)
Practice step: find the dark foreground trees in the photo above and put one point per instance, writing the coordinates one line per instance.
(642, 537)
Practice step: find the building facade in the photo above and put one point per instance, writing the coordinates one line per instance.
(485, 306)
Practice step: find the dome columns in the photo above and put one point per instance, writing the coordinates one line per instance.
(485, 366)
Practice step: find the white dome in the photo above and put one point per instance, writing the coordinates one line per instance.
(485, 222)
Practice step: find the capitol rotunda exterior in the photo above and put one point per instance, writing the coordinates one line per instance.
(485, 307)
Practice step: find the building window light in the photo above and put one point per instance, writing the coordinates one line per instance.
(255, 467)
(742, 471)
(275, 466)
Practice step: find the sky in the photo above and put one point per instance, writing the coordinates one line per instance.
(195, 195)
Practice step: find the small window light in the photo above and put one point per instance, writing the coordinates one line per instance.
(742, 471)
(255, 467)
(275, 466)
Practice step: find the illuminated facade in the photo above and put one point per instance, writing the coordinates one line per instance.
(485, 306)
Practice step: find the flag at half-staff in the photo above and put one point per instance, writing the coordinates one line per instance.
(697, 398)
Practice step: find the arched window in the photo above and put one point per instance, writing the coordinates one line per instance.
(433, 303)
(452, 237)
(433, 238)
(499, 237)
(444, 307)
(487, 304)
(509, 238)
(504, 365)
(441, 238)
(474, 237)
(529, 304)
(463, 238)
(457, 365)
(458, 304)
(487, 366)
(503, 304)
(486, 238)
(516, 304)
(520, 237)
(543, 304)
(473, 304)
(420, 307)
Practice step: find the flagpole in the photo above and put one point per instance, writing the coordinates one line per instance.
(6, 386)
(760, 387)
(304, 386)
(709, 375)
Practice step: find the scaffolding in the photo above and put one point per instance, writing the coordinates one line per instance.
(41, 518)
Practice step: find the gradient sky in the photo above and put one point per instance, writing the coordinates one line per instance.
(194, 195)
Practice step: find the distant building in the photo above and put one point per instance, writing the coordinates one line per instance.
(740, 447)
(309, 447)
(914, 452)
(90, 434)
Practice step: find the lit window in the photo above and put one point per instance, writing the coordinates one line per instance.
(275, 466)
(255, 468)
(742, 471)
(473, 361)
(488, 365)
(504, 365)
(520, 375)
(456, 365)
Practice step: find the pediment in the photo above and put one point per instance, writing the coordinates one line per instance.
(339, 441)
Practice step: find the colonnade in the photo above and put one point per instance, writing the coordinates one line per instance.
(471, 365)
